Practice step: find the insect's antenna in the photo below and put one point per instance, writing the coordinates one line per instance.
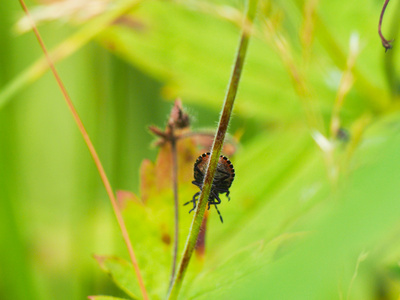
(222, 221)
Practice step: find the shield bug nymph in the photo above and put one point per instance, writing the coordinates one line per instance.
(224, 176)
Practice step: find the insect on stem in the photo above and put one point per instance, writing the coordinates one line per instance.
(93, 153)
(219, 138)
(224, 176)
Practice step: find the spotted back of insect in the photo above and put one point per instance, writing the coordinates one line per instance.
(223, 178)
(224, 175)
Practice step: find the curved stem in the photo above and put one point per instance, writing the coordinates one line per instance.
(93, 153)
(216, 149)
(385, 42)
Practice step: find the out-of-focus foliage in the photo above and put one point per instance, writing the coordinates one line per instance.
(105, 298)
(314, 207)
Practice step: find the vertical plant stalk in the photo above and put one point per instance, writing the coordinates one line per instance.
(178, 122)
(216, 149)
(387, 44)
(174, 155)
(93, 153)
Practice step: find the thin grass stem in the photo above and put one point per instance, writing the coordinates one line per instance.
(93, 153)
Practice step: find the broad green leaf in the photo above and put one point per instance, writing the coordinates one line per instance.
(334, 230)
(364, 213)
(234, 268)
(192, 50)
(150, 222)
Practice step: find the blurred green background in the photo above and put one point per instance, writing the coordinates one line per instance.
(315, 206)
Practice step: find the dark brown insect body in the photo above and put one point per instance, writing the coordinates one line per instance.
(224, 176)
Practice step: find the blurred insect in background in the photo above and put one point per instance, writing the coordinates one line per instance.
(224, 176)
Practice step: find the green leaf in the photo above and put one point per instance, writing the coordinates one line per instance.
(312, 238)
(214, 283)
(192, 52)
(122, 274)
(150, 223)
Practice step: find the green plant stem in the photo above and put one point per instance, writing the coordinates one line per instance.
(216, 149)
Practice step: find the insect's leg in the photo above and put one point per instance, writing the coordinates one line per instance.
(222, 221)
(194, 207)
(215, 201)
(193, 201)
(194, 198)
(223, 191)
(200, 185)
(216, 197)
(211, 198)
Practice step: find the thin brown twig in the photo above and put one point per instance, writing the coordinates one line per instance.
(93, 153)
(178, 122)
(174, 155)
(387, 44)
